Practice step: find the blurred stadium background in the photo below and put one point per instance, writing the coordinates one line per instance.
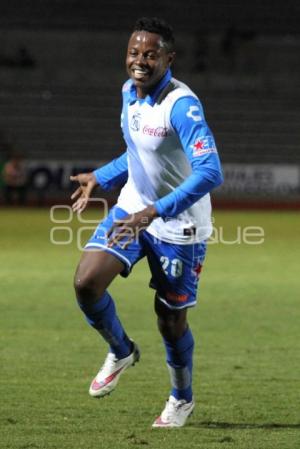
(62, 67)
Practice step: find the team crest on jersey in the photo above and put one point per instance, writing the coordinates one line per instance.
(204, 145)
(135, 121)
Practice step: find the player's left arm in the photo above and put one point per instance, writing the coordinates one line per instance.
(198, 143)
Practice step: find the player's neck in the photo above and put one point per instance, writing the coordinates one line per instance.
(141, 93)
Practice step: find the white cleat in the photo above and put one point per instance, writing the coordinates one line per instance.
(175, 413)
(109, 374)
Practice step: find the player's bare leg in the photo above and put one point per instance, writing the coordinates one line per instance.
(95, 272)
(171, 323)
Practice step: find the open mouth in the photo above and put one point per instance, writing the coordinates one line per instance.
(139, 73)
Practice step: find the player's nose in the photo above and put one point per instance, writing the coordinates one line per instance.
(140, 60)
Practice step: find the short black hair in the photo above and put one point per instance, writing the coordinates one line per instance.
(157, 26)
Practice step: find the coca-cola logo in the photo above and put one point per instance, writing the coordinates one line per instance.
(160, 131)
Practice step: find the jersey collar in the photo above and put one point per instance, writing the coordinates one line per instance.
(152, 96)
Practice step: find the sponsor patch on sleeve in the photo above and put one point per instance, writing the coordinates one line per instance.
(204, 145)
(194, 113)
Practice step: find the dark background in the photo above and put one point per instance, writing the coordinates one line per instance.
(62, 68)
(263, 16)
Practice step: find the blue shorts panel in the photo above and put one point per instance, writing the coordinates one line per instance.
(129, 256)
(175, 269)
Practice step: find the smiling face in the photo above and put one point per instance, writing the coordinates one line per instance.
(147, 60)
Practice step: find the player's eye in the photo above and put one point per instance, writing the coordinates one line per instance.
(151, 55)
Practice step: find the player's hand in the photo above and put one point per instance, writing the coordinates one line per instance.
(81, 195)
(128, 228)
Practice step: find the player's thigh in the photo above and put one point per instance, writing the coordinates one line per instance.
(100, 262)
(96, 270)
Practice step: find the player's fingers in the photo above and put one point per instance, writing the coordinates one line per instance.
(126, 244)
(81, 208)
(113, 240)
(124, 235)
(116, 224)
(79, 205)
(74, 178)
(76, 193)
(117, 235)
(75, 206)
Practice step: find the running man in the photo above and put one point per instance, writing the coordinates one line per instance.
(163, 213)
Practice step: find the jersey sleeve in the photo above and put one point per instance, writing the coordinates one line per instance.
(113, 174)
(187, 120)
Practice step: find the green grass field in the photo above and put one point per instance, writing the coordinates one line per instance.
(246, 328)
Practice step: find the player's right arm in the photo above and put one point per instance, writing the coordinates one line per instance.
(109, 176)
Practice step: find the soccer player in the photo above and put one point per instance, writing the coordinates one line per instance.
(163, 212)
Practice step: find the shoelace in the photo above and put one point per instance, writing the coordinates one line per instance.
(109, 361)
(172, 407)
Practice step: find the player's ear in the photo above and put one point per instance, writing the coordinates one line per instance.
(171, 57)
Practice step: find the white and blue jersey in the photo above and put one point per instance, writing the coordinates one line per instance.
(171, 161)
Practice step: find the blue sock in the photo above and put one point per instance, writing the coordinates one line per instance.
(180, 364)
(103, 317)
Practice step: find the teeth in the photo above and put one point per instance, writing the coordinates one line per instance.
(139, 73)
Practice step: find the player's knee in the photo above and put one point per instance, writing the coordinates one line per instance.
(171, 323)
(87, 287)
(170, 328)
